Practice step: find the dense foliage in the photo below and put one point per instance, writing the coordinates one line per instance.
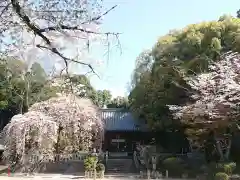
(20, 87)
(181, 52)
(119, 102)
(161, 78)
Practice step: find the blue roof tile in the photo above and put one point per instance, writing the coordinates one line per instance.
(116, 119)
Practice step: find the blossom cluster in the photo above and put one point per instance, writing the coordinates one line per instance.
(216, 93)
(63, 124)
(66, 86)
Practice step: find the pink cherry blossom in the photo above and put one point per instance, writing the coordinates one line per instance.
(217, 93)
(37, 131)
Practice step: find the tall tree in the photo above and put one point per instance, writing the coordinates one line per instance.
(143, 64)
(238, 13)
(21, 87)
(119, 102)
(186, 51)
(103, 98)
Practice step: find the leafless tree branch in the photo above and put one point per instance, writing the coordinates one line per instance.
(5, 8)
(100, 16)
(33, 26)
(67, 59)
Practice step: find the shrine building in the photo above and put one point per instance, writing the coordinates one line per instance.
(123, 131)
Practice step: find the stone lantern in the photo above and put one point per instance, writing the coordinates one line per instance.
(154, 162)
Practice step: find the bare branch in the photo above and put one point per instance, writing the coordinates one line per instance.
(63, 27)
(100, 16)
(67, 59)
(5, 8)
(22, 13)
(26, 20)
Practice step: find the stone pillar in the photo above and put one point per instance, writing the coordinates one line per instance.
(141, 174)
(148, 174)
(106, 156)
(154, 165)
(166, 175)
(154, 162)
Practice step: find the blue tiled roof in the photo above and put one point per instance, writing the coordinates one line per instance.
(119, 120)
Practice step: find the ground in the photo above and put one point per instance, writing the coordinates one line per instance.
(59, 176)
(64, 177)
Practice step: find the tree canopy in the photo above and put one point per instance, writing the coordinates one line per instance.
(188, 51)
(21, 86)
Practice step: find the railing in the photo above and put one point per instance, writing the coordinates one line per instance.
(62, 157)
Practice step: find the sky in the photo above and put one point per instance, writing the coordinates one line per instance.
(141, 24)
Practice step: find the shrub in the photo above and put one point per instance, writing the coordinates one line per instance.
(100, 167)
(174, 165)
(221, 176)
(227, 168)
(89, 162)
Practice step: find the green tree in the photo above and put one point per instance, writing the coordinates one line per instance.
(20, 87)
(103, 97)
(188, 51)
(119, 102)
(143, 64)
(238, 13)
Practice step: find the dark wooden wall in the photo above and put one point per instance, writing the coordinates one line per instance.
(131, 137)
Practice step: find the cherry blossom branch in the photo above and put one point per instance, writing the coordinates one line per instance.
(54, 50)
(39, 32)
(64, 27)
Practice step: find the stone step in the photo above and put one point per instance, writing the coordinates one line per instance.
(119, 165)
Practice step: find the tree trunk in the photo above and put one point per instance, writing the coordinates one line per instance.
(228, 149)
(21, 106)
(57, 148)
(223, 156)
(219, 150)
(27, 96)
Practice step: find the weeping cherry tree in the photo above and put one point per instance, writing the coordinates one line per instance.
(60, 125)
